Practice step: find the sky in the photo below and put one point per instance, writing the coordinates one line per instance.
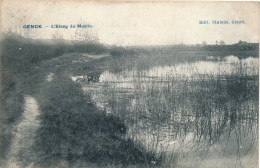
(135, 23)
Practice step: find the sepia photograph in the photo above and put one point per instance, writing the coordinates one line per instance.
(129, 84)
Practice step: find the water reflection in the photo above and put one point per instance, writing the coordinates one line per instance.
(190, 120)
(230, 65)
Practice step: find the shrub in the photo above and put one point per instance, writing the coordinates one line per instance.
(117, 51)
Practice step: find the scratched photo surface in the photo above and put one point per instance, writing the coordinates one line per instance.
(137, 84)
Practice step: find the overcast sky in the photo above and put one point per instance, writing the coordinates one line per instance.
(138, 23)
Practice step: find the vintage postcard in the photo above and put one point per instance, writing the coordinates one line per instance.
(86, 84)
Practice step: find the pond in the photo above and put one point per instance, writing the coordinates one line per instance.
(196, 114)
(212, 66)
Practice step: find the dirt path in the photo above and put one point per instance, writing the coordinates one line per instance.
(24, 133)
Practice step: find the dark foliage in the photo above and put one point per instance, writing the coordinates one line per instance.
(87, 48)
(73, 128)
(117, 52)
(19, 58)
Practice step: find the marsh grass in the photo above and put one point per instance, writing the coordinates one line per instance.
(201, 108)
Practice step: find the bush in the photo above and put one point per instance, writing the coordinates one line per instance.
(117, 51)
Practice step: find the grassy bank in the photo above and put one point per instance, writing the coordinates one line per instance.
(74, 130)
(21, 73)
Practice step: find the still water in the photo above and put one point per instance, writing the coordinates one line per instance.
(234, 148)
(212, 66)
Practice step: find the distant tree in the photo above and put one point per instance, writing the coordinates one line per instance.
(204, 43)
(242, 42)
(181, 45)
(16, 18)
(222, 42)
(30, 34)
(86, 35)
(216, 42)
(58, 37)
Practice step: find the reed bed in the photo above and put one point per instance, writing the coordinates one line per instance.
(171, 114)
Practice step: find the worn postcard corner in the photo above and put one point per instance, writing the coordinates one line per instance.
(129, 84)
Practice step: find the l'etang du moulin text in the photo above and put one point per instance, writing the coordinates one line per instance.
(58, 26)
